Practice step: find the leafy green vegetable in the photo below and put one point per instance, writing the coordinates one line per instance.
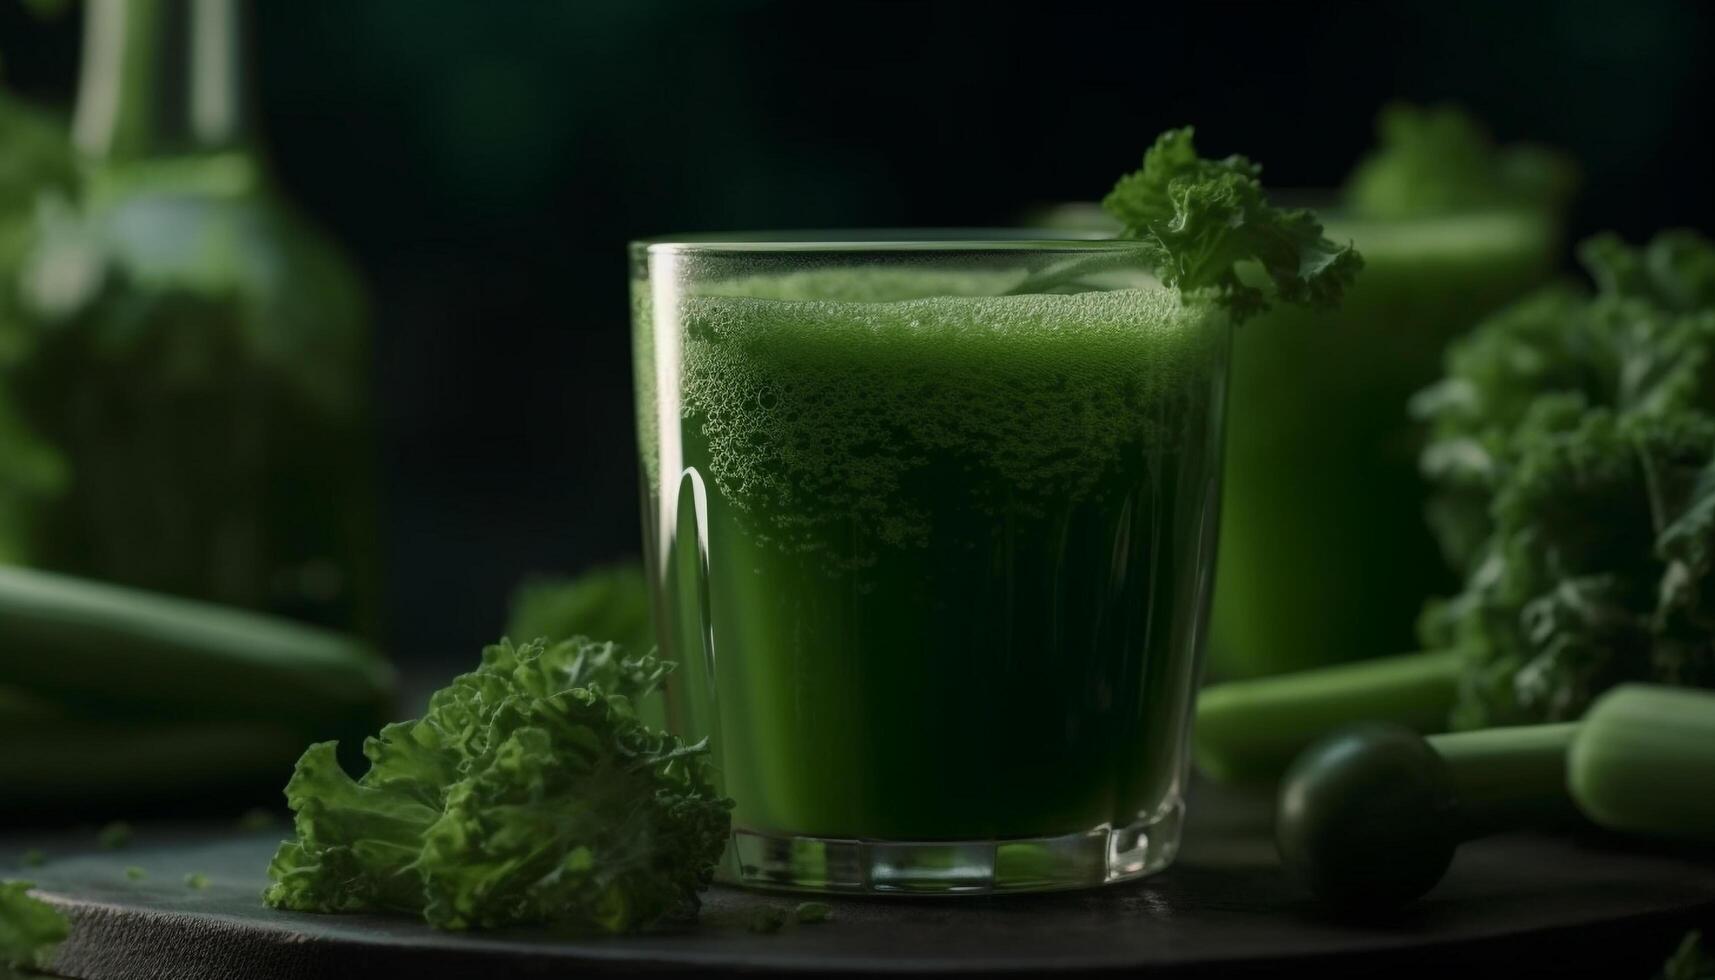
(30, 929)
(1211, 231)
(529, 793)
(1572, 459)
(114, 836)
(196, 881)
(1690, 961)
(1573, 453)
(134, 873)
(610, 601)
(1437, 160)
(810, 913)
(767, 919)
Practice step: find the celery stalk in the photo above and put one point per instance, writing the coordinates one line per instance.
(1250, 730)
(1645, 762)
(1505, 778)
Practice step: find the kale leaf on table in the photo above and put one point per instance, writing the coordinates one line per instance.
(529, 793)
(1690, 961)
(1572, 452)
(30, 928)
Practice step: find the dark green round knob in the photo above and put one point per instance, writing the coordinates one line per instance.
(1366, 817)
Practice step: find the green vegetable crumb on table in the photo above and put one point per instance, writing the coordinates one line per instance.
(1690, 961)
(809, 913)
(135, 873)
(767, 919)
(115, 835)
(196, 880)
(529, 793)
(30, 929)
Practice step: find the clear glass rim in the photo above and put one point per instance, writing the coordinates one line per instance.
(861, 240)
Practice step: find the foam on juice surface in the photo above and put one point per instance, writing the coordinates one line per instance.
(816, 412)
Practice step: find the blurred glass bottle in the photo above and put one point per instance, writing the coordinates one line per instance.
(199, 352)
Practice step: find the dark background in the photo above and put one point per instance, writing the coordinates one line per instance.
(485, 163)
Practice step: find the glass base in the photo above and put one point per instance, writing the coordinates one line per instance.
(1101, 856)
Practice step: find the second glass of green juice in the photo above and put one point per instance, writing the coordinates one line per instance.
(931, 523)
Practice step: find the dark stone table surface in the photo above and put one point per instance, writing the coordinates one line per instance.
(1523, 905)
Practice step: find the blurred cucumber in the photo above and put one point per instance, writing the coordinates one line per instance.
(120, 653)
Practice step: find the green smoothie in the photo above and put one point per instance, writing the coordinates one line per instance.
(933, 559)
(931, 524)
(1325, 555)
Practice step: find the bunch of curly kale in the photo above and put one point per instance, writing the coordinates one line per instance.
(529, 793)
(1573, 454)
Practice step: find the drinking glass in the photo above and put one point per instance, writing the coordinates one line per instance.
(930, 524)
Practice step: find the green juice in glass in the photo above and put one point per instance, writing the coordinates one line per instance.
(933, 560)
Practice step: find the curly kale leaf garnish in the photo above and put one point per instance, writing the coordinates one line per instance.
(30, 929)
(1211, 231)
